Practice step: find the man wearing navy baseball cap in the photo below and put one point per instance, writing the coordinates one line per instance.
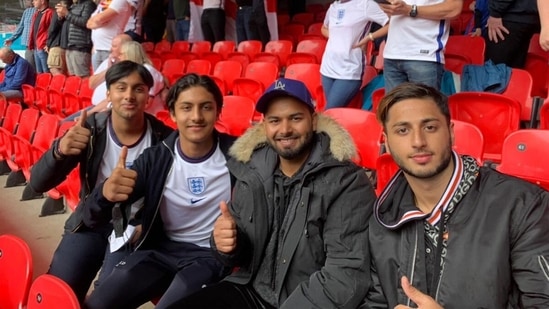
(295, 230)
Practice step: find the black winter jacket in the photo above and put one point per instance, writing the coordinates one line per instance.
(79, 35)
(518, 11)
(497, 251)
(324, 261)
(49, 172)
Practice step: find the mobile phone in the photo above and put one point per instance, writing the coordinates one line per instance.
(383, 1)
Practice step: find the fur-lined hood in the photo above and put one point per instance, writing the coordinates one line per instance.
(342, 146)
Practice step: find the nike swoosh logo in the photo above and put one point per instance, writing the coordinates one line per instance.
(193, 201)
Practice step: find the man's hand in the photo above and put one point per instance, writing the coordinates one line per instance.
(496, 29)
(544, 39)
(8, 42)
(120, 184)
(76, 139)
(397, 7)
(225, 230)
(422, 301)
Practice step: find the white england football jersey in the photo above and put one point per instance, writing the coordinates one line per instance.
(113, 148)
(194, 189)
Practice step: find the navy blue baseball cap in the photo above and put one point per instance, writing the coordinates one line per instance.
(285, 87)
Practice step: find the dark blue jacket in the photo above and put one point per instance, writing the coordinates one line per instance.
(18, 72)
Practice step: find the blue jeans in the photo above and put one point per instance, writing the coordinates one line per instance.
(339, 92)
(397, 72)
(41, 61)
(182, 28)
(243, 31)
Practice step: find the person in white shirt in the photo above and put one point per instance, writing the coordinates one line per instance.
(212, 20)
(415, 43)
(347, 22)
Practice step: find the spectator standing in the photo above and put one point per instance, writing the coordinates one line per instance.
(38, 35)
(154, 19)
(415, 43)
(79, 44)
(18, 71)
(94, 143)
(57, 42)
(109, 20)
(296, 228)
(342, 65)
(212, 20)
(243, 15)
(511, 26)
(258, 23)
(182, 11)
(23, 30)
(182, 181)
(543, 8)
(446, 232)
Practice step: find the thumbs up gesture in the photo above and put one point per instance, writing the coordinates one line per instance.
(225, 230)
(120, 184)
(76, 139)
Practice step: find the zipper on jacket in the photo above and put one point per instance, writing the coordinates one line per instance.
(412, 272)
(159, 201)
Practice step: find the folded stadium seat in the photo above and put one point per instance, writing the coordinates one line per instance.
(50, 292)
(85, 93)
(179, 47)
(15, 146)
(199, 66)
(524, 155)
(163, 46)
(16, 270)
(43, 102)
(315, 28)
(306, 18)
(294, 30)
(279, 48)
(213, 58)
(538, 67)
(164, 116)
(519, 89)
(495, 115)
(544, 115)
(258, 76)
(386, 168)
(467, 46)
(228, 71)
(7, 129)
(148, 47)
(40, 89)
(70, 96)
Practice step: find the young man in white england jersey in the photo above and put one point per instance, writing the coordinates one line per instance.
(183, 180)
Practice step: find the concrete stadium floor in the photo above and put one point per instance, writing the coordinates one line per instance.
(21, 218)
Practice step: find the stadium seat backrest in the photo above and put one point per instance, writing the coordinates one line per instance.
(213, 58)
(538, 67)
(200, 47)
(162, 46)
(3, 107)
(199, 66)
(45, 133)
(228, 71)
(15, 271)
(468, 139)
(495, 115)
(308, 73)
(173, 69)
(179, 47)
(264, 72)
(250, 47)
(50, 292)
(281, 48)
(315, 47)
(544, 115)
(315, 28)
(520, 88)
(148, 46)
(386, 168)
(236, 115)
(535, 48)
(224, 48)
(364, 129)
(305, 18)
(455, 63)
(468, 46)
(524, 155)
(294, 30)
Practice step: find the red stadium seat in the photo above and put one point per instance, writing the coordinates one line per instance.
(468, 140)
(524, 155)
(308, 73)
(173, 69)
(9, 125)
(199, 66)
(179, 47)
(50, 292)
(544, 115)
(200, 47)
(386, 168)
(15, 271)
(236, 115)
(163, 46)
(519, 89)
(495, 115)
(258, 76)
(305, 19)
(224, 48)
(23, 136)
(228, 71)
(279, 48)
(467, 46)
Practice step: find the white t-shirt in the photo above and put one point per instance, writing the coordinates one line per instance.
(194, 189)
(112, 151)
(210, 4)
(100, 92)
(102, 36)
(347, 24)
(134, 21)
(414, 38)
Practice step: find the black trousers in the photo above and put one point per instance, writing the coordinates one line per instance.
(513, 50)
(224, 295)
(259, 27)
(212, 22)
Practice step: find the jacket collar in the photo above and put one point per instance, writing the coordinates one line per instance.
(341, 146)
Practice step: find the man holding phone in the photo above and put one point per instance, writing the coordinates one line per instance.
(416, 39)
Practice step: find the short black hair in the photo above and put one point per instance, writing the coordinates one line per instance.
(124, 68)
(194, 80)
